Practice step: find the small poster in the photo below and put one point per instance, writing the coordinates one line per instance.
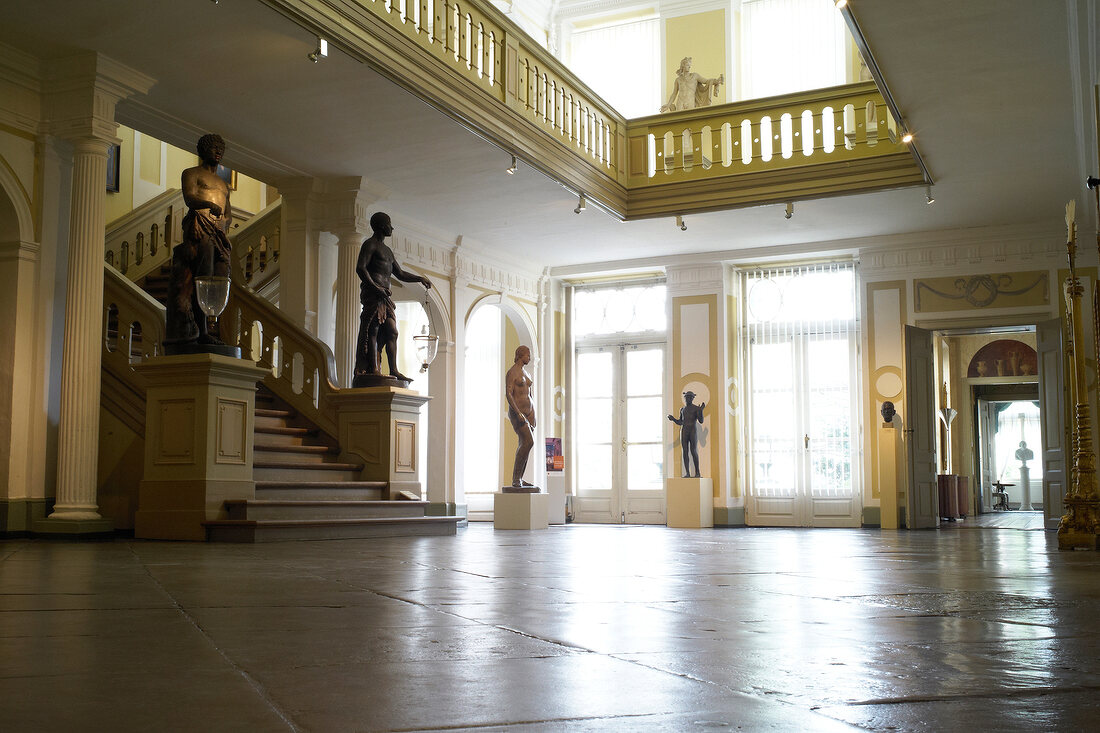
(554, 459)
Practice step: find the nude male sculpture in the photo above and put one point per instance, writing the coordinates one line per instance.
(521, 413)
(378, 322)
(205, 248)
(690, 414)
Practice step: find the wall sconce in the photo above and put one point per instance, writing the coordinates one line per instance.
(427, 341)
(680, 223)
(515, 166)
(790, 210)
(582, 204)
(321, 52)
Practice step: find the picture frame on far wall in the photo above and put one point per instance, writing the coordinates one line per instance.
(228, 175)
(114, 159)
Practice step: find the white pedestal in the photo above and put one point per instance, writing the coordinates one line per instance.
(689, 502)
(520, 511)
(555, 488)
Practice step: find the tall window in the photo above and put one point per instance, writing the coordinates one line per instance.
(621, 63)
(790, 46)
(482, 416)
(801, 332)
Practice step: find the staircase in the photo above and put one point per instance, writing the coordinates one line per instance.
(304, 493)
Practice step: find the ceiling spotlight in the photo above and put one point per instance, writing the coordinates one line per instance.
(790, 210)
(321, 52)
(680, 223)
(928, 193)
(907, 137)
(515, 166)
(582, 204)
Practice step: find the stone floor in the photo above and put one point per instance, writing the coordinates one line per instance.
(576, 628)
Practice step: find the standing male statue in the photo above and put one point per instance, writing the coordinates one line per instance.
(204, 250)
(691, 90)
(378, 322)
(690, 414)
(521, 413)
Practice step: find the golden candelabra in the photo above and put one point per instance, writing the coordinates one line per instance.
(1080, 525)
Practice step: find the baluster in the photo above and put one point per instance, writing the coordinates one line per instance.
(125, 257)
(467, 40)
(154, 239)
(139, 247)
(110, 258)
(424, 21)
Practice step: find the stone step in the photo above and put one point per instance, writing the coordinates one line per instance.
(263, 509)
(292, 454)
(267, 530)
(320, 490)
(264, 470)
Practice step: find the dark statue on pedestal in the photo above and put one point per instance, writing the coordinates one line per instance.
(521, 413)
(690, 414)
(204, 252)
(378, 322)
(888, 412)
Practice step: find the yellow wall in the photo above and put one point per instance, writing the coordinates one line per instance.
(701, 36)
(121, 203)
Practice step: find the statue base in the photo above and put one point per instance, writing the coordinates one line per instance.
(520, 489)
(520, 511)
(379, 380)
(194, 347)
(689, 503)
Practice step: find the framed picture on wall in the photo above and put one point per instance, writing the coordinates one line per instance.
(114, 155)
(228, 175)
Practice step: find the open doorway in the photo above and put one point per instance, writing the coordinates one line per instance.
(991, 425)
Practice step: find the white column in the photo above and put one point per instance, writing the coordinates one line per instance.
(347, 302)
(78, 432)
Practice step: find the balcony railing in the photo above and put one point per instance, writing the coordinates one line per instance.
(468, 60)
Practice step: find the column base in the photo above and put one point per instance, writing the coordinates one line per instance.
(1080, 525)
(520, 511)
(689, 503)
(75, 528)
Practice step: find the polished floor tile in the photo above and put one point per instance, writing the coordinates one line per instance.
(577, 628)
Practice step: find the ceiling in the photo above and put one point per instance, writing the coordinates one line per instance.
(997, 92)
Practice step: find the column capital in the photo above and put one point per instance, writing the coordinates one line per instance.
(81, 92)
(347, 203)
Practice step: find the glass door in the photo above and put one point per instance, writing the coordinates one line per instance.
(619, 443)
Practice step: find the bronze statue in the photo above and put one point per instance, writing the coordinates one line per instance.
(378, 322)
(690, 414)
(888, 412)
(691, 90)
(204, 251)
(521, 413)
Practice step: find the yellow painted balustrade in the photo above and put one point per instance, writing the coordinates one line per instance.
(768, 150)
(256, 248)
(468, 60)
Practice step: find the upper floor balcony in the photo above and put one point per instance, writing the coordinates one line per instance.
(469, 61)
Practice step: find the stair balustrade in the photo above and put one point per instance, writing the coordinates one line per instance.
(140, 242)
(302, 367)
(256, 248)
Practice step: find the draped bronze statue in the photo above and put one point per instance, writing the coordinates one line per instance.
(378, 322)
(204, 251)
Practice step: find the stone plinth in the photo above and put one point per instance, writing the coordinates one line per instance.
(689, 503)
(199, 423)
(379, 427)
(555, 488)
(889, 465)
(520, 511)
